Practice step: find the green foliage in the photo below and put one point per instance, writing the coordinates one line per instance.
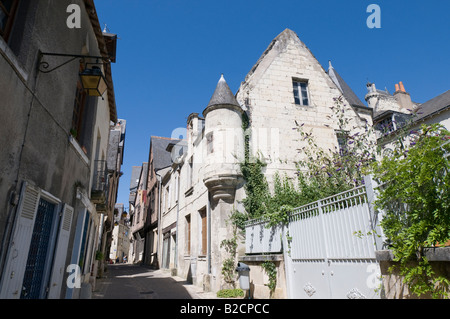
(99, 255)
(229, 263)
(256, 187)
(271, 270)
(230, 293)
(323, 173)
(415, 197)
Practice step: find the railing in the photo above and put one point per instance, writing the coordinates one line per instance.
(100, 183)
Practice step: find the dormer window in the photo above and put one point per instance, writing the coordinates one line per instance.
(386, 125)
(301, 95)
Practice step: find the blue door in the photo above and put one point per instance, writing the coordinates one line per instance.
(33, 281)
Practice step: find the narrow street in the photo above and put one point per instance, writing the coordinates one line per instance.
(124, 281)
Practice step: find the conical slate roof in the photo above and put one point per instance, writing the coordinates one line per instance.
(223, 95)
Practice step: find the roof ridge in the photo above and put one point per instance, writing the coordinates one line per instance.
(163, 138)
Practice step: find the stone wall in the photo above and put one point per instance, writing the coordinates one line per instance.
(259, 278)
(393, 285)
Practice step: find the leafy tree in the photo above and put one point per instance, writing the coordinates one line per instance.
(415, 198)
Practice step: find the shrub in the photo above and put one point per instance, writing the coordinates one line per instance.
(230, 293)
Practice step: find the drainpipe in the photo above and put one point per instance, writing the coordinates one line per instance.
(208, 219)
(178, 213)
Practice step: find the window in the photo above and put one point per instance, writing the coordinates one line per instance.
(386, 125)
(78, 110)
(204, 231)
(342, 138)
(190, 172)
(8, 10)
(188, 235)
(209, 143)
(151, 170)
(301, 92)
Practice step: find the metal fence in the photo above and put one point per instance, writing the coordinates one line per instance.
(328, 245)
(343, 222)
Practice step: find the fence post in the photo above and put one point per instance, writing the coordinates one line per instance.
(376, 216)
(326, 248)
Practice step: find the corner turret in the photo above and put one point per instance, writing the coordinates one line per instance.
(224, 143)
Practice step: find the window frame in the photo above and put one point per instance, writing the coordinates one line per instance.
(79, 106)
(188, 235)
(10, 17)
(297, 87)
(203, 247)
(342, 139)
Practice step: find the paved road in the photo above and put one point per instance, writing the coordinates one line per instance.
(124, 281)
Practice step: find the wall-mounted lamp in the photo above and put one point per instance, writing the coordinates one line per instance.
(92, 79)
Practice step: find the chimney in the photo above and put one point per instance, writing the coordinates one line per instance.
(402, 97)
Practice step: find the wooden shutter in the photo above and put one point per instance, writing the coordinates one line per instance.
(58, 270)
(204, 232)
(17, 255)
(188, 234)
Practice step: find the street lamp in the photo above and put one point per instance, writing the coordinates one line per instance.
(92, 79)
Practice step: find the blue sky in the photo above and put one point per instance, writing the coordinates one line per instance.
(171, 54)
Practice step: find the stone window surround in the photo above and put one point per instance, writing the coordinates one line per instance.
(297, 81)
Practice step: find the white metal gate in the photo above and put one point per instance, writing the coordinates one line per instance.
(330, 249)
(329, 246)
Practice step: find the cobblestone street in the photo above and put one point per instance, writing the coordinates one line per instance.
(124, 281)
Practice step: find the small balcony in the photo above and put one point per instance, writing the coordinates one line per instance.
(100, 185)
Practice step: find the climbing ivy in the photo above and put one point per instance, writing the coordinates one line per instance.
(271, 270)
(229, 263)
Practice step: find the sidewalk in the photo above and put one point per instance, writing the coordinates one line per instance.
(127, 281)
(194, 291)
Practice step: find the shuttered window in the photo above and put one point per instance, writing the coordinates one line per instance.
(78, 110)
(204, 228)
(188, 235)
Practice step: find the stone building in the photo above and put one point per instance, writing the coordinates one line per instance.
(159, 159)
(120, 243)
(138, 213)
(55, 134)
(204, 183)
(395, 113)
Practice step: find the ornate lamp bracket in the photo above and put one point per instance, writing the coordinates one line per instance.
(44, 66)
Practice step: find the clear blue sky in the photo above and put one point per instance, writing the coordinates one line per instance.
(171, 53)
